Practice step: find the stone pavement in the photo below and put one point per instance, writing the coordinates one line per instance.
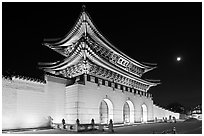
(194, 127)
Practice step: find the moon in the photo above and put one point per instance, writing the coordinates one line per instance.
(178, 58)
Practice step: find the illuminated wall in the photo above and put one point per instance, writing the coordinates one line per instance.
(159, 113)
(55, 97)
(9, 102)
(27, 104)
(90, 97)
(23, 104)
(71, 104)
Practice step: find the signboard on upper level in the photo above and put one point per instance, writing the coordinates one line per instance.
(123, 62)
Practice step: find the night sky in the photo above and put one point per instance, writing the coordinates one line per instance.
(147, 32)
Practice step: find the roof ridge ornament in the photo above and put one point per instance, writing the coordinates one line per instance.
(99, 50)
(84, 19)
(83, 8)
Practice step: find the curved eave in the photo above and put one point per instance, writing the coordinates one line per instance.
(96, 59)
(157, 82)
(52, 40)
(149, 69)
(70, 33)
(109, 45)
(94, 32)
(47, 64)
(79, 53)
(66, 62)
(54, 48)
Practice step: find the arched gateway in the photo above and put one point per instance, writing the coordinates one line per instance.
(106, 111)
(71, 86)
(90, 59)
(144, 113)
(128, 112)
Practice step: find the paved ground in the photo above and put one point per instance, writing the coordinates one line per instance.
(191, 127)
(194, 127)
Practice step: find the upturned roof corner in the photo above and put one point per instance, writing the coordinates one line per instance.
(85, 42)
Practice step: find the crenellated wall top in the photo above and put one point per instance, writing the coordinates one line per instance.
(23, 79)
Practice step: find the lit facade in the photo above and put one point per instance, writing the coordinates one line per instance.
(94, 81)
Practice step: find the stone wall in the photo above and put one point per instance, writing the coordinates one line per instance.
(55, 97)
(160, 112)
(89, 96)
(23, 103)
(71, 103)
(28, 104)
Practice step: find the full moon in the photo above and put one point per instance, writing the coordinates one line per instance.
(178, 58)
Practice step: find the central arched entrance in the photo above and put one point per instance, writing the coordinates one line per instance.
(144, 113)
(128, 112)
(106, 111)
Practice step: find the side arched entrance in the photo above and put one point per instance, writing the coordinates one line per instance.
(128, 112)
(144, 113)
(106, 111)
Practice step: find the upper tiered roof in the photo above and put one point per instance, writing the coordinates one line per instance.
(84, 43)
